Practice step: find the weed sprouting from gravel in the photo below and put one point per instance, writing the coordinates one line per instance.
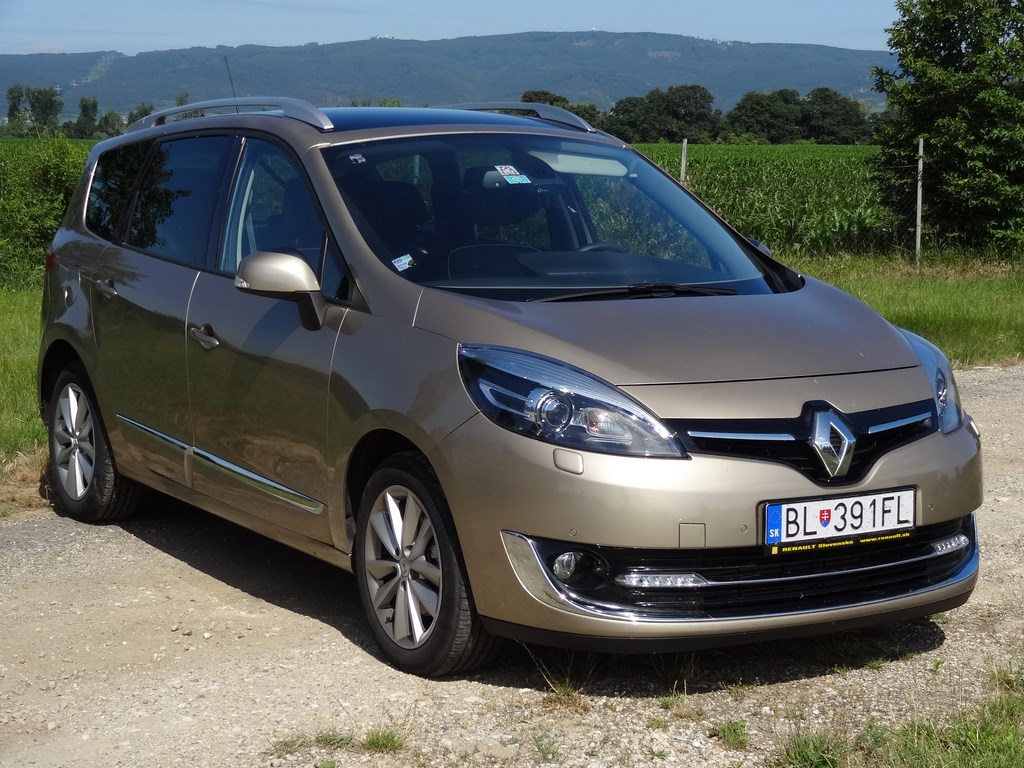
(383, 740)
(289, 745)
(732, 733)
(332, 740)
(327, 739)
(566, 681)
(658, 723)
(546, 747)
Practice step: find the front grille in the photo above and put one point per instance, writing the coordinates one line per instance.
(760, 439)
(747, 581)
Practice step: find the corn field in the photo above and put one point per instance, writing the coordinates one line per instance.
(799, 199)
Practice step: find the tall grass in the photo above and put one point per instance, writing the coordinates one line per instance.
(21, 429)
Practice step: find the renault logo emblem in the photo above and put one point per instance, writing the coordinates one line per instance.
(833, 441)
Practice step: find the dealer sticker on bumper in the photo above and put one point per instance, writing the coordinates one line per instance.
(812, 524)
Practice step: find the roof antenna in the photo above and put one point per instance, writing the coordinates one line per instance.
(230, 81)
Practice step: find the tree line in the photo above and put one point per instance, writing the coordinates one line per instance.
(36, 112)
(678, 112)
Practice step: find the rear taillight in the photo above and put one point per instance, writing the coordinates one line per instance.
(51, 257)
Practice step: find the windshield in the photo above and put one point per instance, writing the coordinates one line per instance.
(523, 217)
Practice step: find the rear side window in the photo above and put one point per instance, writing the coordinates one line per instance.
(111, 190)
(178, 195)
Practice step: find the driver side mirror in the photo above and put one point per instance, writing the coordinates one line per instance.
(286, 277)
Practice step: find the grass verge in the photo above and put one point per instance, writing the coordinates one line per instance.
(21, 430)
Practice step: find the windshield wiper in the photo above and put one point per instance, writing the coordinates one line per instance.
(641, 291)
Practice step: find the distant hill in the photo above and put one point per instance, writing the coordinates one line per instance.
(596, 67)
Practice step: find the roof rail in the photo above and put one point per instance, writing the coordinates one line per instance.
(547, 112)
(294, 108)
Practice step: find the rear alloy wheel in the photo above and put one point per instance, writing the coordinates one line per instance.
(85, 483)
(410, 579)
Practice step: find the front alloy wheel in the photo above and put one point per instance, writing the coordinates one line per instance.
(403, 572)
(410, 577)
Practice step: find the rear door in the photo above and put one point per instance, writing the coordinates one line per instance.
(142, 288)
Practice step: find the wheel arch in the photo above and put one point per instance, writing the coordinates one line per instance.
(58, 357)
(372, 450)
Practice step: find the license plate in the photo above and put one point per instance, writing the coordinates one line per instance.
(812, 524)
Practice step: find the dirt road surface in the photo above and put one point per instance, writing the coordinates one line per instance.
(177, 639)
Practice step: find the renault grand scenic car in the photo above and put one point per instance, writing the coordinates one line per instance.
(506, 371)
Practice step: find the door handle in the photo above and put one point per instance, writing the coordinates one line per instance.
(205, 336)
(106, 288)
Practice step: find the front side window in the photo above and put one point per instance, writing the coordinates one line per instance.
(178, 194)
(271, 209)
(522, 217)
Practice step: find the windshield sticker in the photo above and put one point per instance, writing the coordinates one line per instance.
(511, 175)
(402, 263)
(357, 159)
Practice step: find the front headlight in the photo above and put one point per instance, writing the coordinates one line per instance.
(555, 402)
(940, 374)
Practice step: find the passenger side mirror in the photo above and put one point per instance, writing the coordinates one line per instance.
(285, 277)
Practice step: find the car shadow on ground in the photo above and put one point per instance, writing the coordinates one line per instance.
(304, 585)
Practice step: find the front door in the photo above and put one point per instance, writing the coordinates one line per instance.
(258, 380)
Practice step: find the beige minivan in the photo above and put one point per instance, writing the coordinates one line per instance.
(503, 369)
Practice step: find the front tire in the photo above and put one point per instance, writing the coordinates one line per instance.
(410, 577)
(84, 481)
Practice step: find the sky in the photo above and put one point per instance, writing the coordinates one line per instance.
(131, 26)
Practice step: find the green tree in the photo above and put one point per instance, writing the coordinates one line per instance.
(830, 118)
(679, 112)
(16, 109)
(111, 124)
(545, 97)
(958, 84)
(685, 112)
(85, 126)
(44, 106)
(140, 111)
(632, 119)
(773, 117)
(15, 98)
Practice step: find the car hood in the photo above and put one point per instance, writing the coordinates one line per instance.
(815, 331)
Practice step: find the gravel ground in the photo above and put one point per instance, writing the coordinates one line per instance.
(177, 639)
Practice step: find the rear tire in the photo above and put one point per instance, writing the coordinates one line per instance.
(411, 581)
(83, 479)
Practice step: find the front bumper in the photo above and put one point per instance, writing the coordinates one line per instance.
(510, 496)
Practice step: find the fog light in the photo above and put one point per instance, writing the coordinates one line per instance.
(661, 580)
(565, 565)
